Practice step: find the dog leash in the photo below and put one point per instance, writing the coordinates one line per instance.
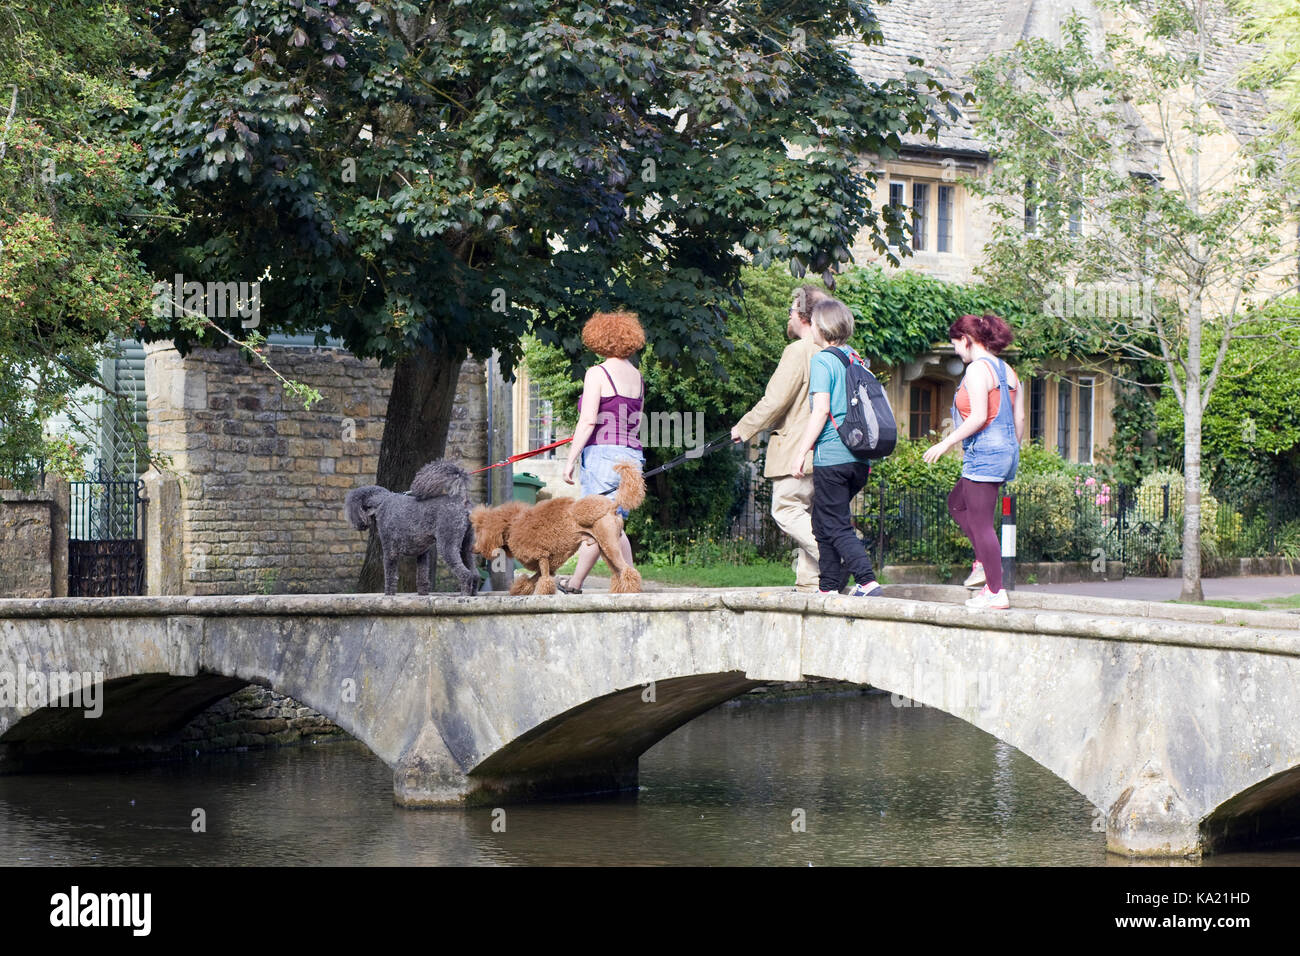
(707, 448)
(527, 454)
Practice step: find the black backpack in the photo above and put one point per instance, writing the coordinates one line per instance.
(869, 429)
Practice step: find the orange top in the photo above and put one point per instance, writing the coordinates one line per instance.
(962, 401)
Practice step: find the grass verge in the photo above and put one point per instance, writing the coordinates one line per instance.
(756, 574)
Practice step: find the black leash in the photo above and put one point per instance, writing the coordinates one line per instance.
(707, 448)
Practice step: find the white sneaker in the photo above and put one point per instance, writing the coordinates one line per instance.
(976, 577)
(987, 600)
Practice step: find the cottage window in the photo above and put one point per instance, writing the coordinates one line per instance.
(1064, 392)
(1037, 408)
(945, 218)
(541, 420)
(923, 409)
(920, 215)
(1086, 393)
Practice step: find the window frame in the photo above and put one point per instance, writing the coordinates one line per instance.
(934, 389)
(920, 214)
(1091, 386)
(541, 425)
(1037, 408)
(1064, 416)
(943, 239)
(905, 184)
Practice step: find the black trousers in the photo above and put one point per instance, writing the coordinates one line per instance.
(841, 551)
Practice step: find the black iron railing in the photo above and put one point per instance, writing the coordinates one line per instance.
(1059, 518)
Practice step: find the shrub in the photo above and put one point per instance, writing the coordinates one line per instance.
(1045, 516)
(905, 470)
(1035, 460)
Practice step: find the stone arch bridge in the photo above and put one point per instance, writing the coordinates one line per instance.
(1181, 723)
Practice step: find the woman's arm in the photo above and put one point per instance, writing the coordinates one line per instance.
(821, 409)
(978, 393)
(586, 420)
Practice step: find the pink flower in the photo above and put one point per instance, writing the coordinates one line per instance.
(1105, 489)
(1090, 482)
(1102, 499)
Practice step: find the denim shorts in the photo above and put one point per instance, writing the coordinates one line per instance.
(598, 474)
(990, 455)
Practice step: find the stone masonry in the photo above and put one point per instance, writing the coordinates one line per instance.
(256, 717)
(262, 479)
(25, 539)
(34, 540)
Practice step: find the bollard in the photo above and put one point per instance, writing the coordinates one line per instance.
(1009, 542)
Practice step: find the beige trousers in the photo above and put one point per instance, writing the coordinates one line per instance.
(792, 511)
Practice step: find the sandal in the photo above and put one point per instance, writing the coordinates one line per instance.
(563, 585)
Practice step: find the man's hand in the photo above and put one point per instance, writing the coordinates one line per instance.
(735, 433)
(568, 471)
(798, 463)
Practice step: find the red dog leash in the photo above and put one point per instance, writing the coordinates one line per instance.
(528, 454)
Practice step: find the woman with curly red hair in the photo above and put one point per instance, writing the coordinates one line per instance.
(609, 422)
(990, 407)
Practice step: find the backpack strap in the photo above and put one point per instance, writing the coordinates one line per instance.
(834, 350)
(845, 359)
(838, 354)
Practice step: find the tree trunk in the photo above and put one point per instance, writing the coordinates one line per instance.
(1193, 408)
(415, 432)
(1192, 414)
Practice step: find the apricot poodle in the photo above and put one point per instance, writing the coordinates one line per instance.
(543, 536)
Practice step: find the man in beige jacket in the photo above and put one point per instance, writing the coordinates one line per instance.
(784, 409)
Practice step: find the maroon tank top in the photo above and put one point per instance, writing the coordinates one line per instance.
(618, 418)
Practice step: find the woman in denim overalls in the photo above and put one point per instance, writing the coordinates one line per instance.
(989, 409)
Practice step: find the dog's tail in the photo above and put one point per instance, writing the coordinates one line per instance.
(440, 477)
(631, 487)
(359, 504)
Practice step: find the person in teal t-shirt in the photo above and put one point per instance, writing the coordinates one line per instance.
(838, 474)
(829, 375)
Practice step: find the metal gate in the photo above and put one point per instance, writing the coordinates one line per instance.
(105, 550)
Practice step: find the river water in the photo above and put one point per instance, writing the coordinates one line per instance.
(827, 781)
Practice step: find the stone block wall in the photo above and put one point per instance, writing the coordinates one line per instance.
(262, 478)
(34, 541)
(256, 717)
(25, 539)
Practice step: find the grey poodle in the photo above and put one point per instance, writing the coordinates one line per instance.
(435, 510)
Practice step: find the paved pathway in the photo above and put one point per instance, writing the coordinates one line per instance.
(1240, 588)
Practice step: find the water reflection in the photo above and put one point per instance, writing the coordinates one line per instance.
(876, 784)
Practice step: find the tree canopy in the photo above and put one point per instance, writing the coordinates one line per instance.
(448, 175)
(70, 206)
